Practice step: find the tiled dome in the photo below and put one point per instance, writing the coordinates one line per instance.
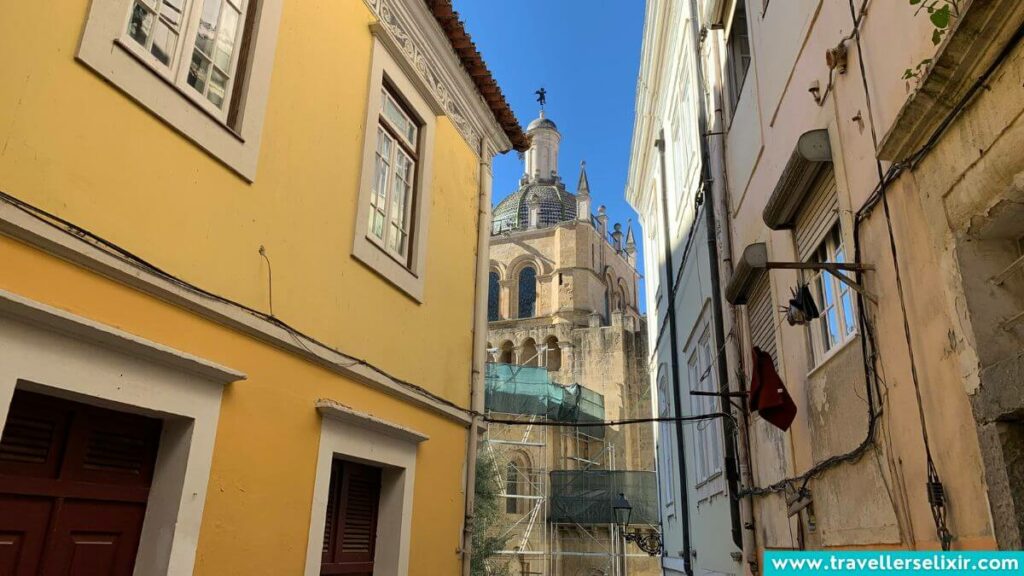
(556, 205)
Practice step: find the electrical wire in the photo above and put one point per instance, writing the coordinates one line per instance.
(132, 259)
(610, 422)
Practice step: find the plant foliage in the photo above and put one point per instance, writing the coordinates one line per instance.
(487, 521)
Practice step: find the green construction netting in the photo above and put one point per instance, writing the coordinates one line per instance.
(586, 496)
(528, 390)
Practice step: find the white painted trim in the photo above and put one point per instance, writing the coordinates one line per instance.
(30, 311)
(103, 50)
(408, 279)
(21, 225)
(74, 358)
(332, 409)
(349, 435)
(425, 48)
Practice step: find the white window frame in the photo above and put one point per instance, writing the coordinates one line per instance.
(405, 272)
(823, 342)
(400, 147)
(707, 435)
(176, 71)
(666, 448)
(229, 134)
(56, 353)
(352, 435)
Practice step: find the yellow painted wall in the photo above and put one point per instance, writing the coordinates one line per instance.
(73, 144)
(259, 500)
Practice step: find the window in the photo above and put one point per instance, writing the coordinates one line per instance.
(527, 292)
(201, 66)
(390, 235)
(194, 45)
(666, 447)
(837, 323)
(708, 434)
(512, 489)
(394, 177)
(737, 52)
(350, 527)
(493, 297)
(354, 502)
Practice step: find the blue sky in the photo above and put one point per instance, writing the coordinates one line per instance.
(586, 53)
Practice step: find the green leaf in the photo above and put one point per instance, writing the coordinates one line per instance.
(936, 37)
(914, 2)
(940, 17)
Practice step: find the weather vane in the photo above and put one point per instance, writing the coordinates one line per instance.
(542, 97)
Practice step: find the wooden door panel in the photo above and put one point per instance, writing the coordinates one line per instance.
(350, 534)
(23, 523)
(92, 538)
(74, 482)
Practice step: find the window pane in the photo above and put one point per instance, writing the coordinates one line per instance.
(493, 296)
(198, 71)
(226, 40)
(208, 26)
(164, 41)
(398, 118)
(170, 10)
(847, 302)
(527, 292)
(141, 23)
(833, 328)
(828, 296)
(218, 88)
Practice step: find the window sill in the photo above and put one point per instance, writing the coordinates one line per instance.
(385, 265)
(188, 98)
(106, 51)
(853, 337)
(708, 480)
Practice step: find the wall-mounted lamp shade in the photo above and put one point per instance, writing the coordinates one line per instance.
(623, 510)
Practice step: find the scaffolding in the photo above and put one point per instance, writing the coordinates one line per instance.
(557, 482)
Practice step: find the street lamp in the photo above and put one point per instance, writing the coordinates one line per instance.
(650, 542)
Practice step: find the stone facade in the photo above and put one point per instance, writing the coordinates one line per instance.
(563, 295)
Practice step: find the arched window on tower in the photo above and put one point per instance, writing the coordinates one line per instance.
(493, 297)
(527, 292)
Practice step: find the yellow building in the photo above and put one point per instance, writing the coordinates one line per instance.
(242, 263)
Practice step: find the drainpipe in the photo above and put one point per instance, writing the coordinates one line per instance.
(673, 341)
(476, 395)
(716, 209)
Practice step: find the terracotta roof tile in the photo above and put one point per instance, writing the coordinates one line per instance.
(473, 63)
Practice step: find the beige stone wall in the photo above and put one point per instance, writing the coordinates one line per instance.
(605, 354)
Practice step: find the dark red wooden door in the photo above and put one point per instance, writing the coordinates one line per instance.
(350, 533)
(74, 480)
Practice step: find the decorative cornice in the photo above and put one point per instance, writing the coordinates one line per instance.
(410, 27)
(980, 34)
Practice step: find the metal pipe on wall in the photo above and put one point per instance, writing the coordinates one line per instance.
(674, 358)
(476, 395)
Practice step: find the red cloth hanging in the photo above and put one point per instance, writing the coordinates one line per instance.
(768, 395)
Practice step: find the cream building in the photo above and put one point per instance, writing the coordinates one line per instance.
(886, 143)
(563, 318)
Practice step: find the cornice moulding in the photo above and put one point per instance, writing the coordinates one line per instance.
(415, 36)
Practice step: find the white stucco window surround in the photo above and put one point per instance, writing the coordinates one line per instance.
(357, 437)
(50, 351)
(201, 66)
(389, 74)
